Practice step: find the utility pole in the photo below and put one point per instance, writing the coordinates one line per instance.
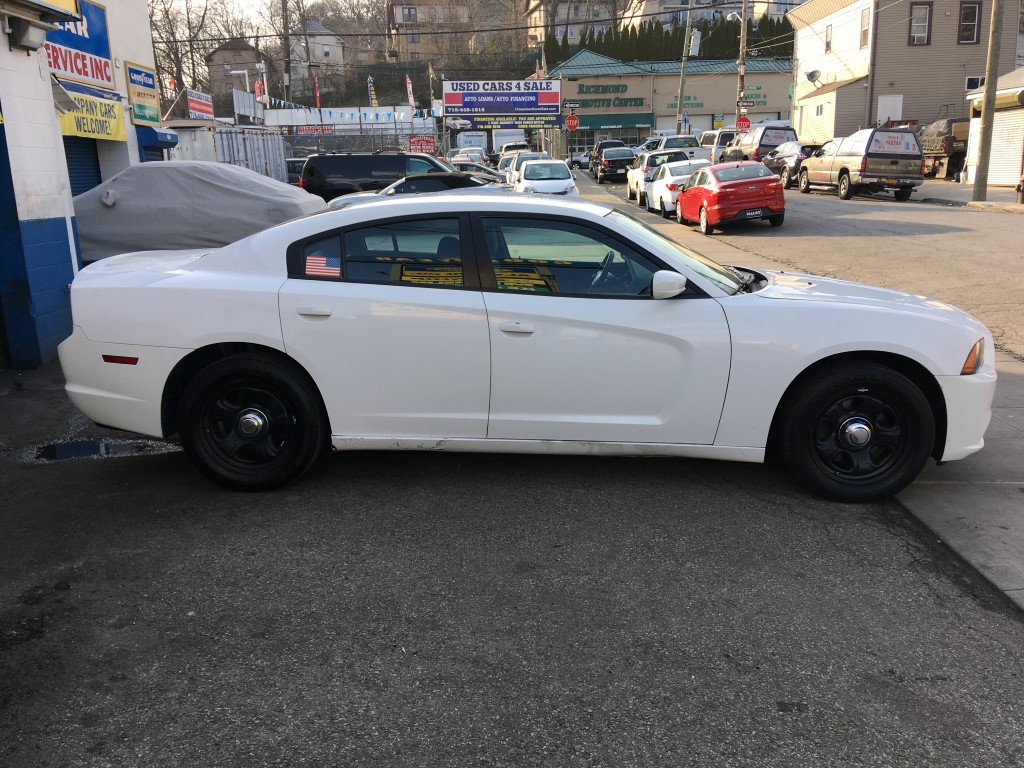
(682, 68)
(286, 77)
(741, 62)
(988, 106)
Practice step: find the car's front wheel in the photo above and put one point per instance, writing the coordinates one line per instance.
(858, 432)
(251, 423)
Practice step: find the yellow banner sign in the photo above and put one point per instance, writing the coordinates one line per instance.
(70, 7)
(96, 118)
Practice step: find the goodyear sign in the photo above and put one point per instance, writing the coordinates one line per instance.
(80, 50)
(142, 94)
(99, 114)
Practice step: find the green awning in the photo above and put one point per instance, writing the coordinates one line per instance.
(621, 120)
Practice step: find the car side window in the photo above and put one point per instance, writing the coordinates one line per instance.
(419, 252)
(830, 149)
(564, 258)
(386, 167)
(418, 165)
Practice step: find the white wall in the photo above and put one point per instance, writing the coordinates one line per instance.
(846, 61)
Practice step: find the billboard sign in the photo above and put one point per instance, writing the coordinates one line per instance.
(80, 50)
(200, 105)
(99, 114)
(142, 94)
(465, 98)
(512, 121)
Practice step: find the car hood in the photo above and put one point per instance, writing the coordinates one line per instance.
(794, 286)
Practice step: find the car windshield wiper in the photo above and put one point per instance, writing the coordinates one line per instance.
(745, 278)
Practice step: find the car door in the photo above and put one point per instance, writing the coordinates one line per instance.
(691, 196)
(579, 349)
(821, 171)
(392, 328)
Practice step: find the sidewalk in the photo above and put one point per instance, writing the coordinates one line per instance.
(952, 193)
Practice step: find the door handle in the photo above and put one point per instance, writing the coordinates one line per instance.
(314, 311)
(516, 327)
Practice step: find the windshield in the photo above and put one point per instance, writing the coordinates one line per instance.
(685, 169)
(546, 171)
(680, 141)
(726, 278)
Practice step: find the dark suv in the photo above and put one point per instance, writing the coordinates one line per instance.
(330, 175)
(599, 147)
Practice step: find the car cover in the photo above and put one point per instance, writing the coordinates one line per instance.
(183, 204)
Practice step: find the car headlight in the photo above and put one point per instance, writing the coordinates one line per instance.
(527, 188)
(975, 359)
(571, 188)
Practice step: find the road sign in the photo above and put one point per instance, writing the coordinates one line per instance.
(572, 123)
(571, 104)
(743, 123)
(751, 87)
(744, 103)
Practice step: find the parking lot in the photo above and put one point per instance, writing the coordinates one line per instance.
(445, 609)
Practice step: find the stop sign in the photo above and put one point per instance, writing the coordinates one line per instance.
(571, 122)
(743, 123)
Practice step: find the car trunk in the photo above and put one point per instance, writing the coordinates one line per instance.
(749, 192)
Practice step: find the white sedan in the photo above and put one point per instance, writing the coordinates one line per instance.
(664, 186)
(518, 324)
(551, 177)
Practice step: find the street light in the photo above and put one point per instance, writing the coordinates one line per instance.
(242, 72)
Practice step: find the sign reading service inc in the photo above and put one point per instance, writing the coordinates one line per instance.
(200, 105)
(142, 94)
(466, 98)
(80, 50)
(99, 114)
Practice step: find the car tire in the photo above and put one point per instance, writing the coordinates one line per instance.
(600, 179)
(665, 212)
(252, 423)
(576, 166)
(828, 416)
(705, 226)
(784, 177)
(903, 193)
(629, 190)
(805, 182)
(845, 187)
(776, 221)
(641, 198)
(679, 214)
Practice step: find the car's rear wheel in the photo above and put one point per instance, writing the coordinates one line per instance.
(776, 221)
(629, 190)
(600, 178)
(641, 198)
(251, 423)
(665, 212)
(787, 182)
(858, 432)
(705, 225)
(845, 187)
(903, 193)
(805, 182)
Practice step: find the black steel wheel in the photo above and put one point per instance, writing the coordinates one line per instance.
(859, 432)
(251, 423)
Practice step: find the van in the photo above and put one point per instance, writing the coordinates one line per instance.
(333, 174)
(873, 160)
(757, 142)
(716, 141)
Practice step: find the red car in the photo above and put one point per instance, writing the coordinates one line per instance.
(725, 192)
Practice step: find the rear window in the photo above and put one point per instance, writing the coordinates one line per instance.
(680, 141)
(894, 143)
(774, 136)
(741, 172)
(618, 154)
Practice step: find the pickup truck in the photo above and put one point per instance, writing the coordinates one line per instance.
(874, 159)
(688, 144)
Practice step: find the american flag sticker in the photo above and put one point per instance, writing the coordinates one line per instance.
(323, 266)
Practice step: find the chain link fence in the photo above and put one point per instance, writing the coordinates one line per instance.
(340, 140)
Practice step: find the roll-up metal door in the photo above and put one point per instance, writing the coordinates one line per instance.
(151, 154)
(1007, 157)
(83, 163)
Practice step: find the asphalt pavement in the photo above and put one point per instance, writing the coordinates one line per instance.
(976, 505)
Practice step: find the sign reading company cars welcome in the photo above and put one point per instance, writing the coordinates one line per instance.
(502, 97)
(80, 50)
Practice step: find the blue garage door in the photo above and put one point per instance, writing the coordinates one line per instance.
(83, 163)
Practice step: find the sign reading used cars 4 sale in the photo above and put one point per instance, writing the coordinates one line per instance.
(502, 97)
(80, 50)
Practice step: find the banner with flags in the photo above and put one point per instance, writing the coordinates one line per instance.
(408, 89)
(371, 92)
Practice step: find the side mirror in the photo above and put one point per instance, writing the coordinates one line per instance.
(665, 284)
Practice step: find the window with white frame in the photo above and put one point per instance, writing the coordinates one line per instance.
(865, 27)
(920, 24)
(971, 83)
(969, 31)
(408, 13)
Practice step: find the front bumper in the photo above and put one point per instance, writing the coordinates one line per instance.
(114, 394)
(968, 410)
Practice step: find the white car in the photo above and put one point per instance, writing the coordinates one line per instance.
(518, 324)
(458, 123)
(514, 168)
(663, 187)
(642, 171)
(551, 177)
